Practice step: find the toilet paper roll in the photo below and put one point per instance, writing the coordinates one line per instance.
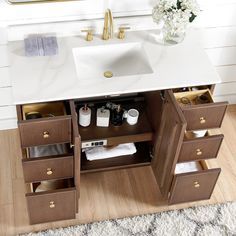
(84, 116)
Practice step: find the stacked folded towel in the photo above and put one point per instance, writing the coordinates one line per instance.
(41, 46)
(187, 167)
(98, 153)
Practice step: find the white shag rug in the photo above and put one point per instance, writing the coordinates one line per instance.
(214, 220)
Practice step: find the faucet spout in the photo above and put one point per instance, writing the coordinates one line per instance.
(108, 25)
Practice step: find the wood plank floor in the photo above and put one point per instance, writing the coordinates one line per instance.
(106, 195)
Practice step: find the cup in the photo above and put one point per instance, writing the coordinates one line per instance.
(131, 116)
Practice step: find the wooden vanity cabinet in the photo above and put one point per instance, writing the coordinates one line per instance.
(173, 148)
(60, 172)
(162, 138)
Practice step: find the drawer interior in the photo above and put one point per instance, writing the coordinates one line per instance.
(49, 185)
(195, 97)
(188, 135)
(43, 110)
(53, 150)
(193, 166)
(195, 88)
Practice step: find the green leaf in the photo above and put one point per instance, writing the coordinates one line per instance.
(178, 4)
(192, 17)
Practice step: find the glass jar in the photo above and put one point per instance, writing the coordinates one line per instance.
(173, 36)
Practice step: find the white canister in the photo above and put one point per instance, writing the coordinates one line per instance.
(84, 116)
(132, 116)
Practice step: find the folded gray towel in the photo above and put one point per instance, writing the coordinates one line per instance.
(41, 46)
(50, 46)
(31, 46)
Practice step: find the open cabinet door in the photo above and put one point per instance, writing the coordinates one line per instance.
(76, 141)
(168, 144)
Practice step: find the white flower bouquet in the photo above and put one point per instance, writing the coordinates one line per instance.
(175, 15)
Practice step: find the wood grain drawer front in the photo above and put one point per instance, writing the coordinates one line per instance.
(200, 148)
(206, 116)
(51, 205)
(38, 169)
(200, 110)
(193, 186)
(45, 131)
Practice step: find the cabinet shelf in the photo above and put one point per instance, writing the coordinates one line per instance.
(114, 135)
(140, 158)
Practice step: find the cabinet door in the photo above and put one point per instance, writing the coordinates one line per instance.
(76, 140)
(168, 144)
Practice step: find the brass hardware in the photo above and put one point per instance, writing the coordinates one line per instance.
(108, 74)
(121, 34)
(196, 184)
(46, 134)
(199, 152)
(52, 204)
(202, 120)
(49, 171)
(108, 25)
(89, 36)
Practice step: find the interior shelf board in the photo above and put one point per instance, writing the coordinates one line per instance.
(139, 132)
(140, 158)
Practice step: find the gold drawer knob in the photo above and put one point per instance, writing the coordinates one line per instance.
(199, 152)
(46, 134)
(49, 171)
(196, 184)
(202, 120)
(52, 204)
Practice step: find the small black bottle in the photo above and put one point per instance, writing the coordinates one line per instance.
(117, 116)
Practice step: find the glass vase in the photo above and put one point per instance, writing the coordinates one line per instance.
(173, 36)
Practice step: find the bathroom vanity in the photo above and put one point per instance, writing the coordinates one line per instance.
(165, 135)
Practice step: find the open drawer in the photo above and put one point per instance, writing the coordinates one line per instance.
(47, 162)
(43, 123)
(59, 203)
(199, 148)
(193, 181)
(200, 110)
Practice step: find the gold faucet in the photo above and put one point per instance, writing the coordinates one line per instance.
(108, 25)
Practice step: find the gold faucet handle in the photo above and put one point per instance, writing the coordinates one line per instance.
(121, 34)
(89, 36)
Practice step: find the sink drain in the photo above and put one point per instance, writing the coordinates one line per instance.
(108, 74)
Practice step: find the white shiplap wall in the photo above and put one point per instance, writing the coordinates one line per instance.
(7, 109)
(219, 39)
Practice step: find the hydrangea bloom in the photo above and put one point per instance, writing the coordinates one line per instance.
(175, 14)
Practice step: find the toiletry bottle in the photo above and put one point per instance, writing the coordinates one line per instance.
(117, 116)
(85, 116)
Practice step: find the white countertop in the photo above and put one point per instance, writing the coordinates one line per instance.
(37, 79)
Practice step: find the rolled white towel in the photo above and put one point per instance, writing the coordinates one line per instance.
(187, 167)
(98, 153)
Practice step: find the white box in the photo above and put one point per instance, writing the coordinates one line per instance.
(103, 117)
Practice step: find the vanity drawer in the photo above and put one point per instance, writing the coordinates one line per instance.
(53, 127)
(200, 148)
(45, 131)
(51, 205)
(205, 115)
(46, 168)
(194, 185)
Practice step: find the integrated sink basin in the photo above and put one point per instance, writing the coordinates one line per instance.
(111, 60)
